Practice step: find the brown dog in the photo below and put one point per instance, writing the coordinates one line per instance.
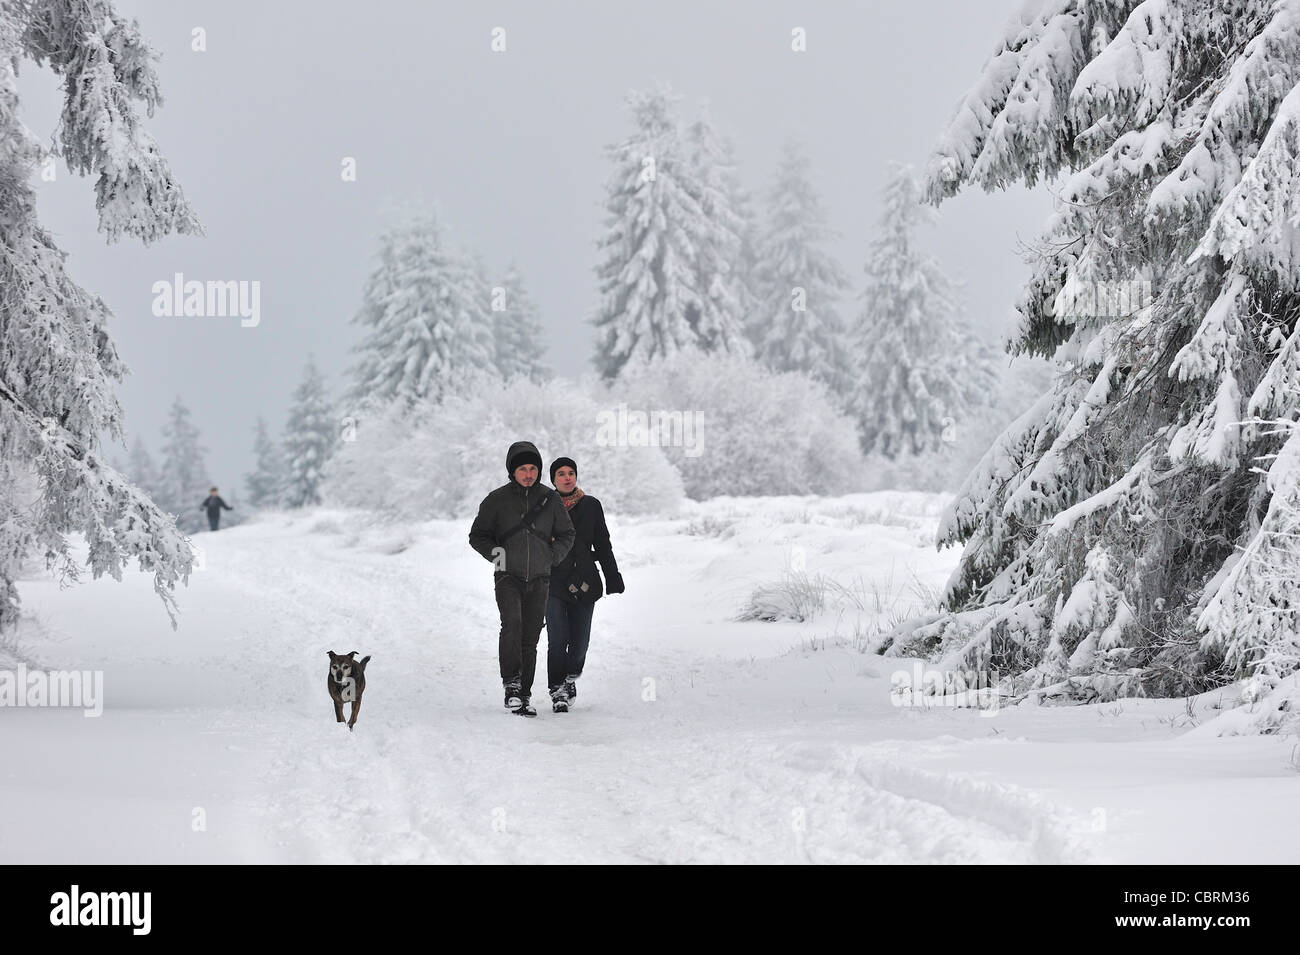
(347, 681)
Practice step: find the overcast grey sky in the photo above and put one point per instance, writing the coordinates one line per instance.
(509, 144)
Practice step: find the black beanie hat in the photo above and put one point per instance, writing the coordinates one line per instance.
(562, 463)
(521, 453)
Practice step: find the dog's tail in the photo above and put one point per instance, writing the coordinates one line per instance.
(364, 661)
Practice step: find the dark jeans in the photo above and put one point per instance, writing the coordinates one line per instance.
(214, 518)
(568, 633)
(523, 607)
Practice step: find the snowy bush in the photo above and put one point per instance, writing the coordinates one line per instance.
(760, 431)
(796, 596)
(439, 458)
(710, 526)
(870, 607)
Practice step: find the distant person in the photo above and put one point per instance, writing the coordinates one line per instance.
(575, 586)
(214, 504)
(524, 530)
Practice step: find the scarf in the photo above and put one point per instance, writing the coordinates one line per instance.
(572, 498)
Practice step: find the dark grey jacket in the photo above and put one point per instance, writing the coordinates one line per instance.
(533, 551)
(213, 504)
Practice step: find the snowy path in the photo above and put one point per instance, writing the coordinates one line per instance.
(443, 773)
(741, 756)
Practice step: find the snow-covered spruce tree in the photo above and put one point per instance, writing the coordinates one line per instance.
(266, 481)
(1117, 523)
(141, 469)
(425, 316)
(796, 325)
(652, 304)
(918, 371)
(726, 299)
(310, 438)
(517, 330)
(183, 477)
(58, 366)
(1250, 610)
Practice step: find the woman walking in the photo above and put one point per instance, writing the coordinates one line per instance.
(575, 586)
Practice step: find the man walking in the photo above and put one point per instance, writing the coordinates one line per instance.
(213, 506)
(524, 530)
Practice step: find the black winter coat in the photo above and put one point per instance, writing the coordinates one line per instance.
(529, 553)
(213, 504)
(590, 544)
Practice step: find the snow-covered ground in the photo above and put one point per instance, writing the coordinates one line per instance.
(696, 738)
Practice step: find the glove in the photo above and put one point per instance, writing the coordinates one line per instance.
(613, 583)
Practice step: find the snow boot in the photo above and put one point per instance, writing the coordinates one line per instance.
(571, 688)
(525, 708)
(514, 696)
(560, 699)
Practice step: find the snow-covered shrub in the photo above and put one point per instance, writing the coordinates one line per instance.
(710, 526)
(439, 458)
(371, 468)
(890, 515)
(759, 431)
(867, 607)
(796, 596)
